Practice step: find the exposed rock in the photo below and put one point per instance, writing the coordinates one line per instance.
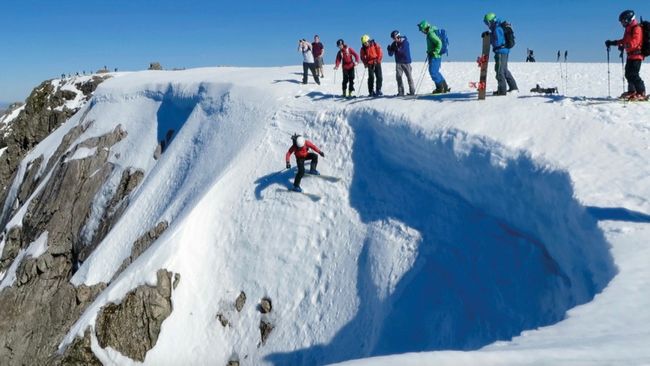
(240, 301)
(13, 244)
(132, 327)
(142, 244)
(233, 363)
(265, 330)
(265, 306)
(155, 66)
(223, 320)
(31, 180)
(78, 353)
(89, 87)
(177, 280)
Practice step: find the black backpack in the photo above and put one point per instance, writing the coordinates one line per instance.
(509, 34)
(645, 43)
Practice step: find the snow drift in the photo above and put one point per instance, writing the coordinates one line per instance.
(442, 234)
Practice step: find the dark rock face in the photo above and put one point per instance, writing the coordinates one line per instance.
(240, 301)
(265, 331)
(78, 353)
(132, 327)
(41, 305)
(155, 66)
(142, 244)
(44, 112)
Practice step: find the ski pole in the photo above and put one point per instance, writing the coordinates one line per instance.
(559, 63)
(622, 68)
(363, 76)
(566, 73)
(609, 88)
(424, 69)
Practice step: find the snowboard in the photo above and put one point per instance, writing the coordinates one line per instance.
(483, 61)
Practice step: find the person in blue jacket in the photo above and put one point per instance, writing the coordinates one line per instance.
(506, 82)
(401, 49)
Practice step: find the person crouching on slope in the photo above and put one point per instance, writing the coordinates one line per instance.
(632, 41)
(300, 148)
(371, 57)
(434, 46)
(350, 59)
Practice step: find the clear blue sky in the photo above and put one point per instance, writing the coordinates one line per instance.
(42, 39)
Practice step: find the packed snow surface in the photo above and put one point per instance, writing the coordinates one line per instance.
(512, 230)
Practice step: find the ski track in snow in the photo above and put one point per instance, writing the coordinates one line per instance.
(478, 205)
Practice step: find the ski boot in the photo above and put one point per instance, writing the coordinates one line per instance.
(379, 93)
(372, 94)
(313, 172)
(627, 95)
(297, 189)
(638, 97)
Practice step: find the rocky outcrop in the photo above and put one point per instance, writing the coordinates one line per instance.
(41, 305)
(155, 66)
(142, 244)
(43, 113)
(132, 327)
(78, 353)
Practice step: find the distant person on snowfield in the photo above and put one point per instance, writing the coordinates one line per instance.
(307, 61)
(371, 56)
(506, 82)
(631, 42)
(402, 51)
(434, 46)
(300, 147)
(349, 59)
(530, 57)
(318, 50)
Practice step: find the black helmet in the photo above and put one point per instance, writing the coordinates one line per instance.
(626, 17)
(340, 42)
(394, 33)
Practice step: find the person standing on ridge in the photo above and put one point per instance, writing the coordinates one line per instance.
(307, 61)
(631, 42)
(318, 50)
(402, 51)
(349, 58)
(371, 56)
(506, 82)
(300, 148)
(434, 46)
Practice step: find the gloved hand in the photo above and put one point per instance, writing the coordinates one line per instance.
(322, 154)
(609, 43)
(484, 34)
(288, 165)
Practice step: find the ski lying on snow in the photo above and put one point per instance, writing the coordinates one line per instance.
(328, 178)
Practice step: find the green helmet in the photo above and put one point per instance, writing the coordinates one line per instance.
(365, 38)
(423, 25)
(489, 17)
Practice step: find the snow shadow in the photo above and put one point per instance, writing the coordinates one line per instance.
(282, 178)
(503, 246)
(173, 112)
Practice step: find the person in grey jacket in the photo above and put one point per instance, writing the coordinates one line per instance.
(400, 48)
(307, 61)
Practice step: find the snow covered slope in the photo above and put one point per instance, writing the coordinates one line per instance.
(455, 224)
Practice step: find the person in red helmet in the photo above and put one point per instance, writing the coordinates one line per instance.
(631, 42)
(300, 148)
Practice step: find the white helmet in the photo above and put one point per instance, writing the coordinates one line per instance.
(300, 141)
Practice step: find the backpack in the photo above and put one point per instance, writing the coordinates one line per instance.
(645, 43)
(508, 33)
(442, 34)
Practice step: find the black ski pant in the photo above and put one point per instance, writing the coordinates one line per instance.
(634, 82)
(374, 70)
(309, 66)
(301, 167)
(503, 74)
(348, 77)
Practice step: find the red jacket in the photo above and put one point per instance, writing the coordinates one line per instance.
(301, 152)
(346, 55)
(371, 54)
(632, 40)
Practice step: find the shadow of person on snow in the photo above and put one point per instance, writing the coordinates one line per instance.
(282, 178)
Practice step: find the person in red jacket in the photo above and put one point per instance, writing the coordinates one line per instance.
(300, 148)
(371, 57)
(349, 59)
(631, 42)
